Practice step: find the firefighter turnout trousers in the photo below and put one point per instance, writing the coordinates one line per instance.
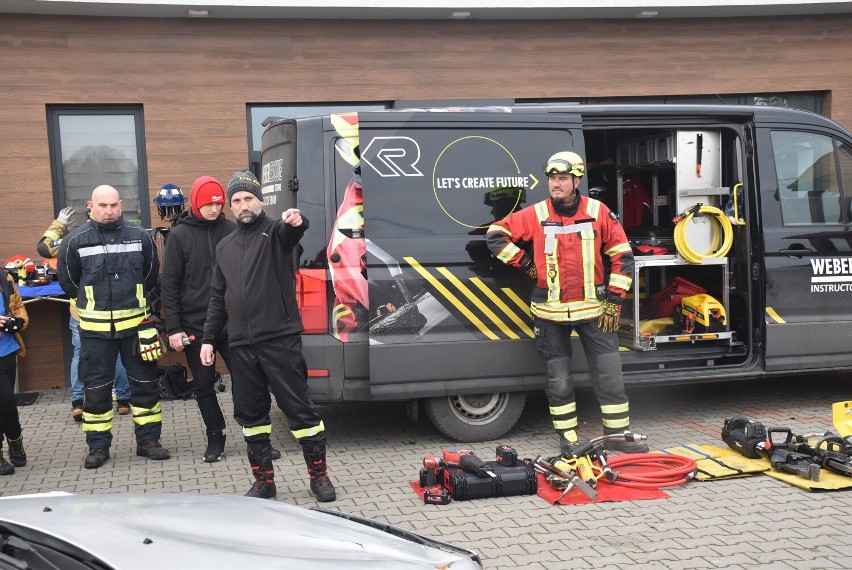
(278, 366)
(553, 341)
(97, 373)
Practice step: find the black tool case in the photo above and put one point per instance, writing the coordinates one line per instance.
(508, 481)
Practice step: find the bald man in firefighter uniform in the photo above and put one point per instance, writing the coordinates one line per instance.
(570, 234)
(108, 266)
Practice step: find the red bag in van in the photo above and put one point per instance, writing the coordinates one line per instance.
(664, 302)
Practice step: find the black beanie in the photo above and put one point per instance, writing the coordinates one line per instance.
(244, 181)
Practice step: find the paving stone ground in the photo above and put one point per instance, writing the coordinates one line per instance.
(375, 451)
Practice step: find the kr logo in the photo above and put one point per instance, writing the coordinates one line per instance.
(392, 156)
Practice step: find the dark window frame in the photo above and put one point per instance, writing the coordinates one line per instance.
(55, 112)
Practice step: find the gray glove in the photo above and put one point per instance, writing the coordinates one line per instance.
(66, 215)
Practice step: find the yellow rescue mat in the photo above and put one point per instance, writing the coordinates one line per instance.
(719, 462)
(841, 413)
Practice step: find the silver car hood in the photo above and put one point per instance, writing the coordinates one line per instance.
(184, 530)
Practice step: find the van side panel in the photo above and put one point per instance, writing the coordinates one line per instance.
(442, 308)
(806, 180)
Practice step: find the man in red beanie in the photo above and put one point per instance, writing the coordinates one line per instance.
(187, 266)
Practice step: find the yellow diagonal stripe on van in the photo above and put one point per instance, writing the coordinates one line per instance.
(473, 299)
(447, 294)
(484, 308)
(525, 307)
(776, 318)
(503, 306)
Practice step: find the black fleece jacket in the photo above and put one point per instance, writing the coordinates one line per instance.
(253, 288)
(187, 266)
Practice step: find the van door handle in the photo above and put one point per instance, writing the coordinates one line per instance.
(797, 252)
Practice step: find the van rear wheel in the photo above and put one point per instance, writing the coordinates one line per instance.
(476, 417)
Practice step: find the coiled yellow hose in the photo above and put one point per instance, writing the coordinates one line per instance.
(723, 234)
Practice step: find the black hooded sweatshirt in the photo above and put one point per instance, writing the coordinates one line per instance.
(187, 266)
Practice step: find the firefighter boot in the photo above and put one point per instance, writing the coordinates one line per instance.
(17, 455)
(6, 468)
(96, 458)
(152, 450)
(321, 485)
(260, 459)
(215, 446)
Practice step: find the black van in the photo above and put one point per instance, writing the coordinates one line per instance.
(738, 216)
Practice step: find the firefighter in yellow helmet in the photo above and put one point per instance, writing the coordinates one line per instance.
(571, 234)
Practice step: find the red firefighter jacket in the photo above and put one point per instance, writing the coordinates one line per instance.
(568, 255)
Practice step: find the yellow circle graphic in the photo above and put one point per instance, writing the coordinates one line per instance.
(473, 176)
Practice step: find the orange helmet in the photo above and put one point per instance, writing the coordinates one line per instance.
(50, 266)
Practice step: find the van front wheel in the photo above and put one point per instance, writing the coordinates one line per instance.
(476, 417)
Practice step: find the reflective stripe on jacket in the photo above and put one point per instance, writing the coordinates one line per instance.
(568, 254)
(109, 269)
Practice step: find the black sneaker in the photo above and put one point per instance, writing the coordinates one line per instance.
(6, 468)
(97, 457)
(152, 450)
(17, 453)
(323, 489)
(215, 447)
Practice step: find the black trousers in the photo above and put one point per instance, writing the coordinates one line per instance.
(277, 366)
(97, 373)
(10, 421)
(204, 378)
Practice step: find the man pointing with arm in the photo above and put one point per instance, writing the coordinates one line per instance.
(252, 291)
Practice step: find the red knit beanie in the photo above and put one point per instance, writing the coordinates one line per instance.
(205, 190)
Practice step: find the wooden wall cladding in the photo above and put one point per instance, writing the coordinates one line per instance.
(193, 77)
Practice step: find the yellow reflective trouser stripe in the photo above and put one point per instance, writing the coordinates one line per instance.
(307, 432)
(616, 424)
(564, 409)
(565, 424)
(97, 422)
(257, 430)
(615, 408)
(143, 416)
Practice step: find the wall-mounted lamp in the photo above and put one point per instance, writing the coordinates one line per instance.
(197, 13)
(647, 14)
(460, 15)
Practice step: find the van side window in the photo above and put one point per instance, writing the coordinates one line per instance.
(811, 171)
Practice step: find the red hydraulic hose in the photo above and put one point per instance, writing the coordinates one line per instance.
(652, 470)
